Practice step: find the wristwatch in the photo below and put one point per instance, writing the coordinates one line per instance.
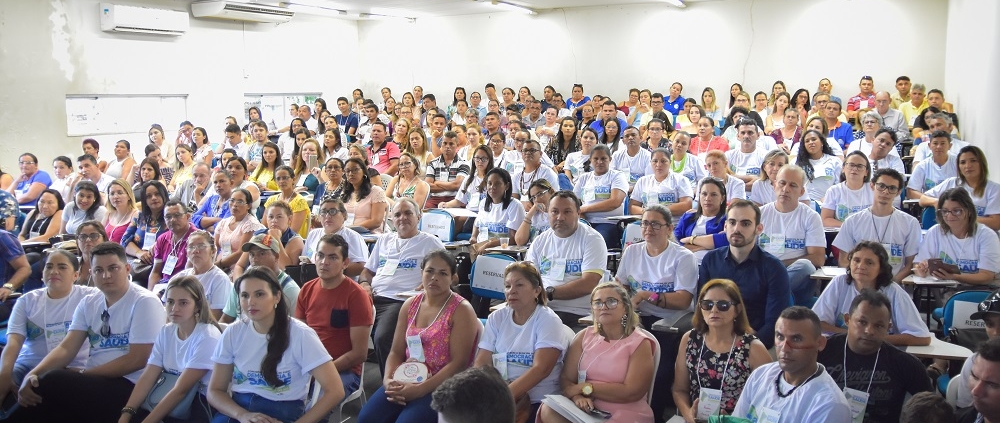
(587, 390)
(549, 292)
(9, 286)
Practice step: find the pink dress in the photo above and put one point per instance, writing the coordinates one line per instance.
(608, 362)
(232, 237)
(436, 338)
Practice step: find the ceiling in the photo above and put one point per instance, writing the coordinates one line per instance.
(427, 8)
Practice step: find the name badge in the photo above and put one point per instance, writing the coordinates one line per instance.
(500, 363)
(558, 269)
(775, 244)
(374, 159)
(709, 401)
(858, 400)
(315, 210)
(589, 195)
(169, 265)
(581, 376)
(415, 347)
(148, 241)
(765, 415)
(389, 268)
(51, 339)
(349, 220)
(226, 250)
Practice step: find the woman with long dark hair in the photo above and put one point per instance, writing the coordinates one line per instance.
(275, 355)
(366, 203)
(85, 206)
(817, 159)
(45, 220)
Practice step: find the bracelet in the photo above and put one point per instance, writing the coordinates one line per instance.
(128, 410)
(654, 297)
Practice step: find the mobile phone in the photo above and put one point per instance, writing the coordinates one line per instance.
(600, 413)
(311, 162)
(933, 265)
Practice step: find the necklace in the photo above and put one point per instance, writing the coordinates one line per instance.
(777, 383)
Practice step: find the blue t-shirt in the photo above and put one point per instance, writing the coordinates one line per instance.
(23, 186)
(10, 249)
(348, 122)
(575, 106)
(674, 107)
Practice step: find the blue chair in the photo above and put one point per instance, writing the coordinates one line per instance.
(486, 279)
(928, 218)
(438, 223)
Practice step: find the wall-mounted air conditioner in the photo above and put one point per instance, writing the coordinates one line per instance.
(253, 12)
(118, 18)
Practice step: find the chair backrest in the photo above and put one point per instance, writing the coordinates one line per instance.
(438, 223)
(951, 394)
(960, 306)
(487, 275)
(632, 234)
(656, 363)
(928, 218)
(386, 179)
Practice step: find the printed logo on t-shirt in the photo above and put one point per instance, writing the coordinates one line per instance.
(117, 341)
(494, 229)
(573, 266)
(52, 330)
(657, 287)
(965, 265)
(843, 211)
(602, 192)
(526, 359)
(666, 198)
(795, 243)
(403, 264)
(980, 210)
(255, 378)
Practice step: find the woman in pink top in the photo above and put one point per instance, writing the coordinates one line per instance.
(706, 140)
(432, 328)
(121, 209)
(609, 366)
(234, 231)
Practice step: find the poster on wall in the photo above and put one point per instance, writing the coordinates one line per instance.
(106, 114)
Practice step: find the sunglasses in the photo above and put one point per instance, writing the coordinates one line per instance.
(105, 326)
(721, 305)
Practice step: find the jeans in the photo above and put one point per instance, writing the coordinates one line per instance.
(378, 409)
(286, 411)
(351, 381)
(799, 280)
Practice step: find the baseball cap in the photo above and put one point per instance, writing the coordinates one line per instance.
(990, 305)
(264, 241)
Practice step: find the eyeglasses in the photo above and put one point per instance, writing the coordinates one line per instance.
(530, 151)
(610, 304)
(953, 212)
(890, 189)
(857, 166)
(105, 326)
(721, 305)
(88, 237)
(652, 225)
(329, 212)
(480, 159)
(197, 247)
(352, 170)
(532, 198)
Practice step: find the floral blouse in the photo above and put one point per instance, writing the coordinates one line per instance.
(709, 366)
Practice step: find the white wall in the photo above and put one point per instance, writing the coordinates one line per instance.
(55, 47)
(611, 49)
(972, 63)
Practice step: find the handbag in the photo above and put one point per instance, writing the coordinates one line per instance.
(164, 383)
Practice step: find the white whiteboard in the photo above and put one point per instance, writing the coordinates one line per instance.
(121, 114)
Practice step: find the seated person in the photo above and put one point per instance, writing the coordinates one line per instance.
(409, 182)
(536, 219)
(883, 154)
(142, 232)
(989, 313)
(86, 205)
(263, 250)
(458, 399)
(702, 230)
(973, 177)
(445, 173)
(852, 195)
(571, 258)
(746, 161)
(619, 383)
(500, 214)
(332, 214)
(718, 168)
(216, 207)
(939, 167)
(338, 309)
(721, 327)
(927, 407)
(820, 167)
(603, 193)
(533, 372)
(632, 159)
(299, 219)
(277, 218)
(29, 185)
(45, 220)
(854, 360)
(795, 388)
(662, 186)
(870, 269)
(958, 239)
(234, 231)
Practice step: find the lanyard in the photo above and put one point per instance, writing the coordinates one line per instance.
(885, 232)
(441, 310)
(724, 369)
(873, 367)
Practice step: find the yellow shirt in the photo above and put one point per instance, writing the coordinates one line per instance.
(897, 100)
(297, 204)
(264, 177)
(910, 112)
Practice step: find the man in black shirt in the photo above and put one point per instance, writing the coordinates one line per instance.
(877, 375)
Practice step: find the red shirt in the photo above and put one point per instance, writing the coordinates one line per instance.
(381, 159)
(855, 103)
(333, 312)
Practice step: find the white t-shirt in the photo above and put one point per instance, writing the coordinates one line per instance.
(672, 270)
(927, 174)
(406, 255)
(522, 182)
(634, 166)
(498, 221)
(866, 148)
(693, 168)
(666, 192)
(174, 356)
(73, 216)
(826, 173)
(44, 322)
(845, 201)
(574, 164)
(746, 163)
(542, 330)
(561, 260)
(508, 160)
(539, 224)
(591, 189)
(286, 144)
(243, 347)
(469, 193)
(924, 151)
(819, 400)
(981, 251)
(889, 162)
(987, 205)
(735, 188)
(357, 249)
(786, 235)
(835, 302)
(217, 285)
(899, 234)
(135, 319)
(763, 193)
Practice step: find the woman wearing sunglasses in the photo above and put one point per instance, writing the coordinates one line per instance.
(609, 365)
(536, 219)
(663, 278)
(717, 356)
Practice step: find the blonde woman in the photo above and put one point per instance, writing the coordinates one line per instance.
(409, 182)
(474, 135)
(121, 209)
(416, 144)
(307, 177)
(184, 167)
(401, 131)
(709, 107)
